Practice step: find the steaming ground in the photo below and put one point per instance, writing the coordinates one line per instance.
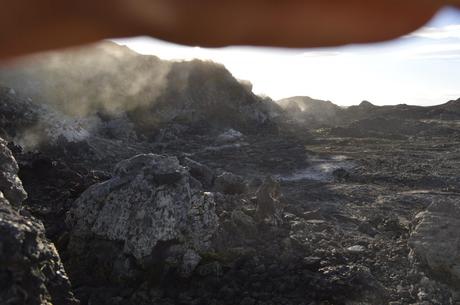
(172, 183)
(86, 81)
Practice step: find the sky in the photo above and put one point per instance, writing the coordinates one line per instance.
(422, 68)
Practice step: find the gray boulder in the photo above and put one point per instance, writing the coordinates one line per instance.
(435, 242)
(151, 205)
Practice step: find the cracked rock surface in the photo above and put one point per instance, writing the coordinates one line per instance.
(31, 271)
(150, 206)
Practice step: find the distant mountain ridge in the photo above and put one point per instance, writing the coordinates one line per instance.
(367, 120)
(316, 113)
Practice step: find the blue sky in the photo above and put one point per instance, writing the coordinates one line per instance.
(422, 68)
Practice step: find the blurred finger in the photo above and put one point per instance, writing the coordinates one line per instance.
(27, 27)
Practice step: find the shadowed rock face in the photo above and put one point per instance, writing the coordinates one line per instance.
(151, 205)
(31, 271)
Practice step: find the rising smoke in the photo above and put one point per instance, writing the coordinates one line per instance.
(82, 82)
(72, 90)
(78, 91)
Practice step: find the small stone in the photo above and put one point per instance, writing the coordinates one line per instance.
(316, 221)
(356, 249)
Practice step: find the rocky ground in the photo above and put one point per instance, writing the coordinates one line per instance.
(189, 211)
(343, 221)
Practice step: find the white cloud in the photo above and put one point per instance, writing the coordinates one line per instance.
(437, 51)
(321, 53)
(443, 32)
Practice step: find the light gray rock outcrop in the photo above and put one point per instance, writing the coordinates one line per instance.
(435, 242)
(151, 203)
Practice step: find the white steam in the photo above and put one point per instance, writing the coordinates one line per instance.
(81, 82)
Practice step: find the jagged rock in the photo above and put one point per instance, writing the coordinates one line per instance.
(435, 241)
(231, 184)
(31, 271)
(267, 199)
(147, 207)
(10, 184)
